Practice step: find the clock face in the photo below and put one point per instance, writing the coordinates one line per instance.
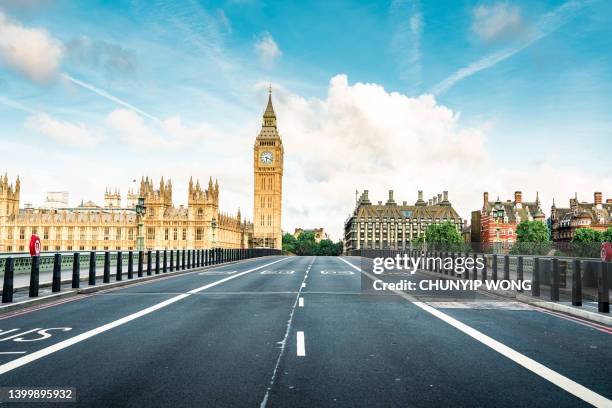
(266, 158)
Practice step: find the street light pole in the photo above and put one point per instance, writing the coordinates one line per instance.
(140, 210)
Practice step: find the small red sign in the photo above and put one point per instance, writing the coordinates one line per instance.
(606, 252)
(35, 245)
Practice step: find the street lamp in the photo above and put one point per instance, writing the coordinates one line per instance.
(213, 225)
(140, 211)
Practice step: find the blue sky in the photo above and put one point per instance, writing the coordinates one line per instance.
(530, 82)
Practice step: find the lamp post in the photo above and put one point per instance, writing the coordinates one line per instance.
(213, 225)
(140, 211)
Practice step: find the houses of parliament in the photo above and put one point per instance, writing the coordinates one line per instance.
(111, 226)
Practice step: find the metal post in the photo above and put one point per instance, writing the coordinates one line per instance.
(494, 273)
(130, 265)
(165, 266)
(7, 287)
(56, 280)
(189, 259)
(535, 285)
(576, 284)
(157, 262)
(92, 269)
(149, 260)
(603, 288)
(140, 263)
(119, 272)
(171, 260)
(76, 270)
(506, 267)
(554, 281)
(183, 260)
(519, 272)
(106, 277)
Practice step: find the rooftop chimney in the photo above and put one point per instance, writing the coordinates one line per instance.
(598, 197)
(518, 197)
(485, 197)
(609, 201)
(429, 202)
(445, 195)
(439, 198)
(390, 201)
(435, 200)
(405, 204)
(420, 194)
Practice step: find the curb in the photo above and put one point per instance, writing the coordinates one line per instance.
(11, 307)
(544, 304)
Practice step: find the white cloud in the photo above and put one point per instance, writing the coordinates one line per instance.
(491, 22)
(32, 52)
(67, 133)
(407, 18)
(169, 133)
(267, 50)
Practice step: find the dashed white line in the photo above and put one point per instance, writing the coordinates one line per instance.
(301, 302)
(301, 346)
(12, 352)
(554, 377)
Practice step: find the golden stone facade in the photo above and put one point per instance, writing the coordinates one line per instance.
(91, 227)
(268, 154)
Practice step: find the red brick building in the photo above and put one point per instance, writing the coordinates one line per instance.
(495, 224)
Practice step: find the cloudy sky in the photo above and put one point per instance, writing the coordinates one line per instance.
(464, 96)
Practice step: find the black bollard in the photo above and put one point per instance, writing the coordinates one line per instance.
(149, 261)
(519, 272)
(34, 276)
(140, 263)
(130, 265)
(183, 260)
(576, 284)
(119, 271)
(56, 283)
(171, 260)
(535, 285)
(92, 269)
(603, 288)
(165, 264)
(188, 259)
(494, 272)
(507, 267)
(76, 270)
(157, 262)
(7, 287)
(554, 281)
(106, 277)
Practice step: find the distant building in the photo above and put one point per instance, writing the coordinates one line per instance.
(393, 226)
(56, 199)
(565, 221)
(319, 233)
(495, 224)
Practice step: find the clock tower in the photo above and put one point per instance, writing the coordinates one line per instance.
(268, 168)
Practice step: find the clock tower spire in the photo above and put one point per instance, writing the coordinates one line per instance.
(268, 157)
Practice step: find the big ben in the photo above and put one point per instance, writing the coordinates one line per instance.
(268, 168)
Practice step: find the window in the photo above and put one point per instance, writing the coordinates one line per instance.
(175, 234)
(200, 212)
(106, 233)
(21, 233)
(82, 233)
(166, 233)
(152, 211)
(184, 234)
(150, 233)
(118, 234)
(131, 234)
(198, 234)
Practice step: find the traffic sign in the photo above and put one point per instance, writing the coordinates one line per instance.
(35, 245)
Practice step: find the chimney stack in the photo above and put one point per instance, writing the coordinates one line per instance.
(598, 197)
(485, 197)
(609, 201)
(439, 198)
(445, 195)
(435, 200)
(420, 194)
(404, 203)
(518, 197)
(429, 202)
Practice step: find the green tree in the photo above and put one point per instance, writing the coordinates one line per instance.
(607, 235)
(531, 238)
(587, 242)
(306, 244)
(327, 247)
(289, 242)
(444, 236)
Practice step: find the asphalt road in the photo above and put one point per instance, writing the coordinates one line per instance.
(299, 332)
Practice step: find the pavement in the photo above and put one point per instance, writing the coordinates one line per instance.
(300, 332)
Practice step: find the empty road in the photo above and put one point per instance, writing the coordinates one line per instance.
(299, 332)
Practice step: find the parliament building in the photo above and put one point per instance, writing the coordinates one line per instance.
(111, 226)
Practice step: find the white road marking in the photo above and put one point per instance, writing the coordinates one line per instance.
(283, 342)
(301, 347)
(11, 365)
(12, 352)
(301, 302)
(303, 284)
(554, 377)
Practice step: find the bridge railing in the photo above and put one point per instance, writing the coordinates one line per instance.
(553, 278)
(109, 265)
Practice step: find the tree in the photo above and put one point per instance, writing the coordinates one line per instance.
(328, 248)
(289, 242)
(531, 238)
(587, 242)
(444, 236)
(607, 235)
(306, 244)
